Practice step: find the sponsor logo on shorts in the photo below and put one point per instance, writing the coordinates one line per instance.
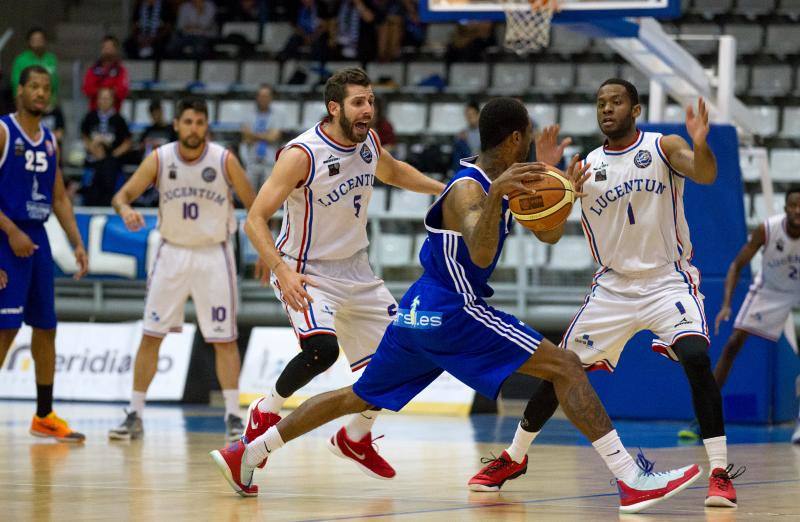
(12, 311)
(682, 322)
(757, 316)
(219, 329)
(419, 319)
(643, 159)
(327, 309)
(586, 340)
(154, 316)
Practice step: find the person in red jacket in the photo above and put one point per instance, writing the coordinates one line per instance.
(107, 72)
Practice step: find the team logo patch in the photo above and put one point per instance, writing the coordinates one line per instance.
(49, 146)
(643, 159)
(418, 319)
(173, 171)
(19, 147)
(600, 172)
(779, 245)
(209, 174)
(366, 154)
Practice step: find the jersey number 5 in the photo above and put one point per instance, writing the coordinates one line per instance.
(357, 203)
(35, 161)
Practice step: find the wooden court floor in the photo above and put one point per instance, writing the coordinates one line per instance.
(168, 476)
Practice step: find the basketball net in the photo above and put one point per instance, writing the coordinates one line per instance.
(528, 24)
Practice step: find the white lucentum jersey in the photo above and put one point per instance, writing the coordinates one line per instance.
(780, 261)
(632, 213)
(326, 217)
(195, 204)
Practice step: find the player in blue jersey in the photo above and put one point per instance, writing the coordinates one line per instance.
(444, 324)
(32, 187)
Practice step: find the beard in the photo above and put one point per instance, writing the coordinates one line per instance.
(621, 131)
(346, 126)
(192, 142)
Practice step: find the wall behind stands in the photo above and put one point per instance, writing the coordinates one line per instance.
(761, 385)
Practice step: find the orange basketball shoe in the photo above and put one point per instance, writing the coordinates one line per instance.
(54, 427)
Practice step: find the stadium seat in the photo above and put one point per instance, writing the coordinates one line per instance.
(542, 114)
(578, 119)
(378, 200)
(291, 113)
(523, 250)
(468, 77)
(218, 75)
(419, 240)
(393, 71)
(140, 71)
(591, 75)
(447, 118)
(753, 8)
(412, 204)
(700, 47)
(782, 39)
(636, 77)
(565, 41)
(749, 37)
(126, 110)
(575, 213)
(750, 168)
(292, 68)
(408, 117)
(276, 34)
(255, 73)
(553, 77)
(783, 165)
(790, 8)
(232, 113)
(771, 80)
(319, 75)
(437, 36)
(511, 78)
(392, 249)
(176, 74)
(313, 112)
(764, 119)
(674, 114)
(791, 123)
(709, 8)
(418, 72)
(247, 29)
(742, 78)
(570, 253)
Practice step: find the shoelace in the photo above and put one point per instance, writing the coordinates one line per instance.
(646, 465)
(723, 478)
(372, 442)
(495, 463)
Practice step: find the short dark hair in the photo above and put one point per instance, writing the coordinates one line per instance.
(154, 104)
(191, 102)
(336, 86)
(633, 94)
(498, 119)
(111, 38)
(266, 86)
(31, 69)
(473, 104)
(33, 30)
(793, 190)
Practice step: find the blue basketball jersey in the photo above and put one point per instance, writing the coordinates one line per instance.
(27, 172)
(445, 256)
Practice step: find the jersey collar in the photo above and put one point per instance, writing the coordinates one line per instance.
(618, 152)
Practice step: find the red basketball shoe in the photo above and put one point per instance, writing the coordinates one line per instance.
(651, 487)
(721, 492)
(230, 461)
(496, 472)
(361, 452)
(258, 423)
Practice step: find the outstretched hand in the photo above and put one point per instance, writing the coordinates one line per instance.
(548, 148)
(697, 124)
(578, 173)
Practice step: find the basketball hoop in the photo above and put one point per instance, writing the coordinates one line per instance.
(528, 24)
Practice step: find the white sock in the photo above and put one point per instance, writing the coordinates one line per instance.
(717, 450)
(272, 403)
(137, 402)
(616, 457)
(260, 448)
(521, 443)
(231, 402)
(361, 424)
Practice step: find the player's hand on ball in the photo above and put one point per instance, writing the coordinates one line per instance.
(3, 279)
(548, 149)
(292, 286)
(262, 272)
(578, 174)
(723, 315)
(82, 260)
(697, 124)
(134, 221)
(21, 244)
(518, 176)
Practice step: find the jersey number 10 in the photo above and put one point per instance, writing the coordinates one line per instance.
(190, 211)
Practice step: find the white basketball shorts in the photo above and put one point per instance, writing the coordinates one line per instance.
(350, 303)
(764, 311)
(205, 273)
(665, 300)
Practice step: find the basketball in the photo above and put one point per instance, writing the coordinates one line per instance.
(547, 207)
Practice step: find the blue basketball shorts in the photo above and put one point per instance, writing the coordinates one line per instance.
(29, 295)
(435, 331)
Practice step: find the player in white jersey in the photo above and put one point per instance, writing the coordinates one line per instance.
(195, 179)
(773, 294)
(632, 216)
(320, 271)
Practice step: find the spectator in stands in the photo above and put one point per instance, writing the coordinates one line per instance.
(357, 32)
(36, 54)
(196, 29)
(53, 119)
(107, 138)
(470, 41)
(260, 137)
(383, 126)
(158, 133)
(107, 73)
(153, 21)
(247, 11)
(310, 30)
(391, 31)
(468, 141)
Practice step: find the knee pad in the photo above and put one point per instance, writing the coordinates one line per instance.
(319, 352)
